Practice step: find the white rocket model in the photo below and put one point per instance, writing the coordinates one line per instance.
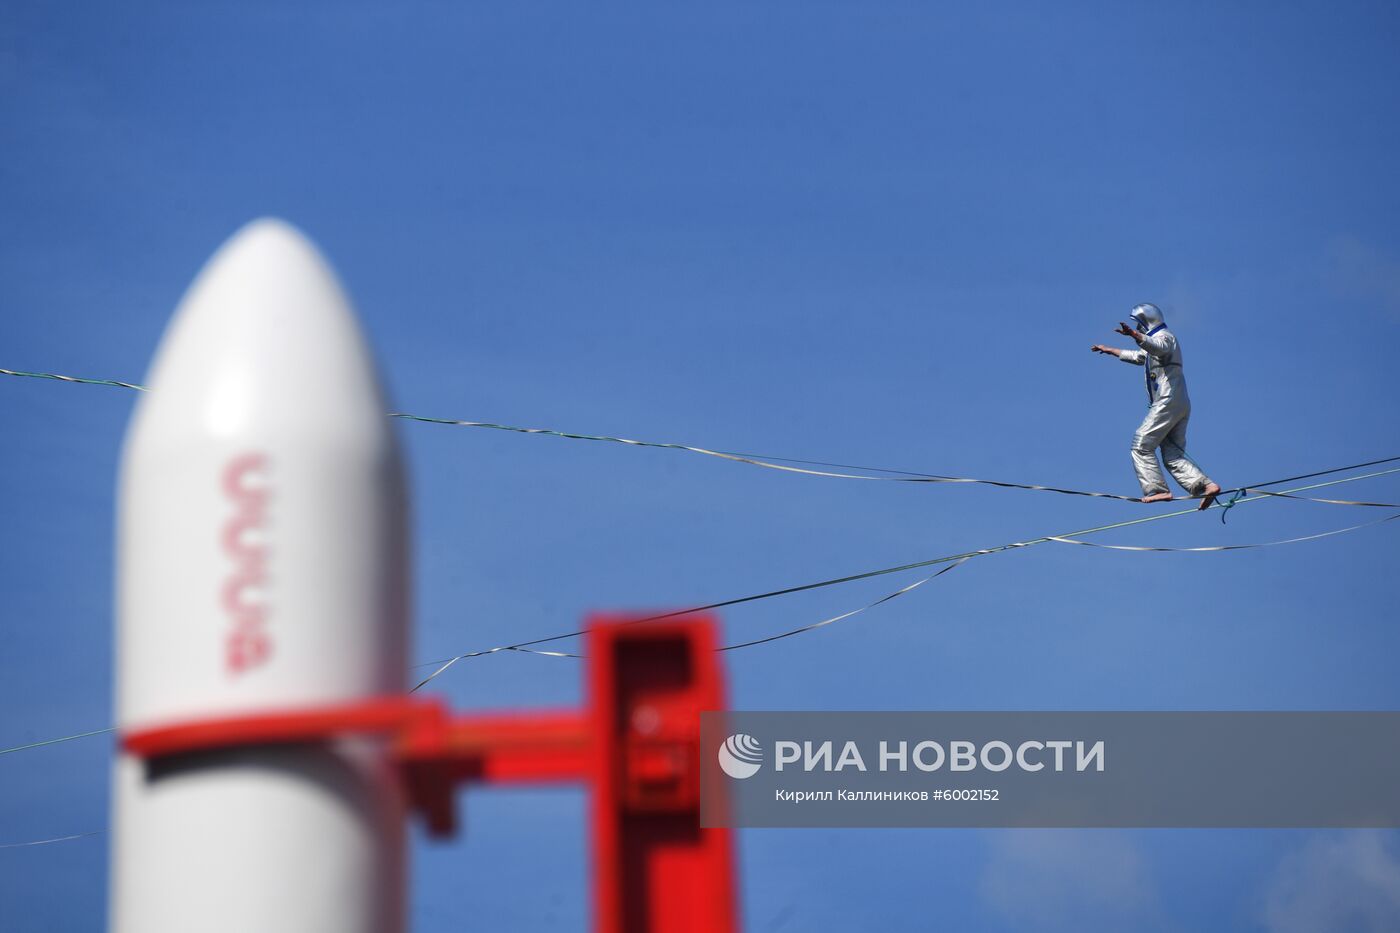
(261, 567)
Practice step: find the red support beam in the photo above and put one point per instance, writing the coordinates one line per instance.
(437, 754)
(636, 745)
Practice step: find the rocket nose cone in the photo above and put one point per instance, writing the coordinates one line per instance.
(265, 334)
(262, 509)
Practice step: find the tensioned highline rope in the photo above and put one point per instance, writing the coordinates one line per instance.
(759, 460)
(949, 559)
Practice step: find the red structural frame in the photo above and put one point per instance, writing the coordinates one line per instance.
(636, 744)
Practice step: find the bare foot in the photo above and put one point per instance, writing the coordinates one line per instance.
(1208, 497)
(1163, 496)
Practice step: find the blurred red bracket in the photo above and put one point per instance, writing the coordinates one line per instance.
(636, 745)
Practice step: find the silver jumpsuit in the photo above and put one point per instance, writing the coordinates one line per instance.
(1168, 412)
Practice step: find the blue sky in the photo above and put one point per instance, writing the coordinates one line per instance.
(874, 235)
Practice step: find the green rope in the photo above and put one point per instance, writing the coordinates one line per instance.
(1230, 503)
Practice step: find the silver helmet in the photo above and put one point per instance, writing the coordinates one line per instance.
(1146, 316)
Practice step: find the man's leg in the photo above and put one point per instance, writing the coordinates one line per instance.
(1183, 469)
(1149, 436)
(1185, 472)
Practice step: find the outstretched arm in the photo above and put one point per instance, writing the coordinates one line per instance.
(1158, 346)
(1135, 357)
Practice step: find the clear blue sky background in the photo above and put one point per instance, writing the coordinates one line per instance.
(875, 234)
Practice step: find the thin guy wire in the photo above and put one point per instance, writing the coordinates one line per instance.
(64, 738)
(449, 662)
